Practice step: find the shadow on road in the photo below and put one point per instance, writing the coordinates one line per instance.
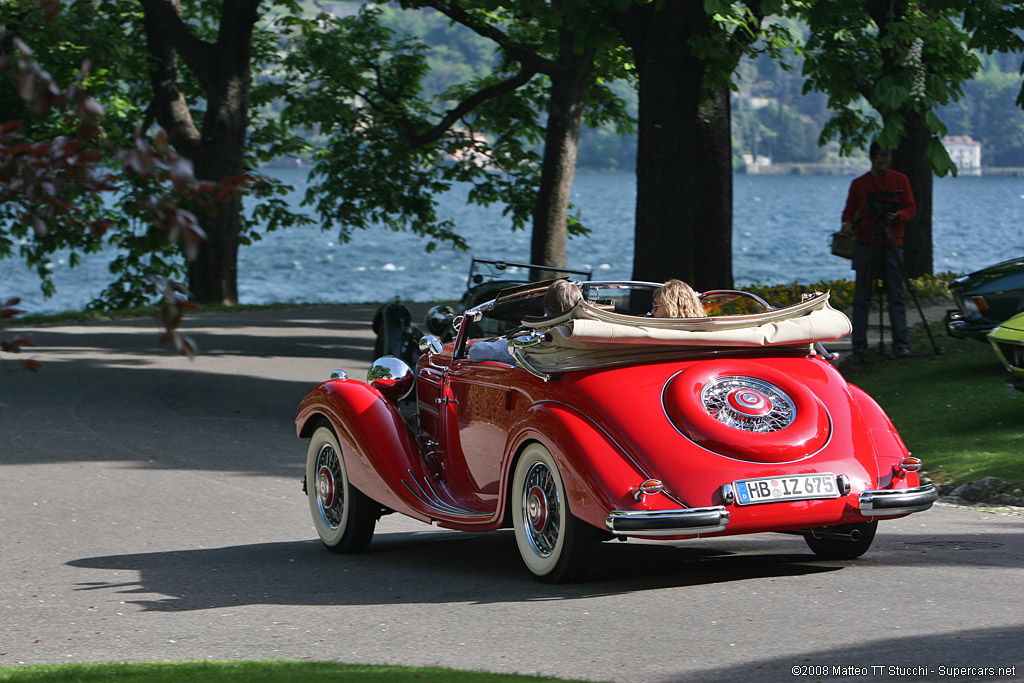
(439, 566)
(428, 567)
(980, 654)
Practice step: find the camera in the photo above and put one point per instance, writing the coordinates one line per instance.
(882, 202)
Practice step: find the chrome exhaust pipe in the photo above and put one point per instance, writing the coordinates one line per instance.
(825, 533)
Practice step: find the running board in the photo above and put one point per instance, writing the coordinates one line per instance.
(431, 498)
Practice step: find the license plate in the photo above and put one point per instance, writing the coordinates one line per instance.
(792, 487)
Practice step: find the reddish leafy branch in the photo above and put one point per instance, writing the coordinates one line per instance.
(14, 344)
(38, 181)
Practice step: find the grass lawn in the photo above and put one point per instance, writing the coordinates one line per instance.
(268, 671)
(952, 410)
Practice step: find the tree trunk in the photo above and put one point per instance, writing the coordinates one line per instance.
(561, 143)
(213, 276)
(218, 151)
(909, 159)
(684, 169)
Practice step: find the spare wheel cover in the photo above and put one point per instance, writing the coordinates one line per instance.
(761, 414)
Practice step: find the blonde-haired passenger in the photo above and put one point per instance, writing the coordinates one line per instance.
(676, 299)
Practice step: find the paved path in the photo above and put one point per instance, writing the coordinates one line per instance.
(150, 508)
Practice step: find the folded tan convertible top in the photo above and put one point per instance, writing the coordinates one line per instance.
(614, 336)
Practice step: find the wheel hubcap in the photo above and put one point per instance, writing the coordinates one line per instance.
(329, 498)
(325, 485)
(537, 509)
(541, 509)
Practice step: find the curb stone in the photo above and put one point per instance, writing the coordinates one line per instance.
(987, 492)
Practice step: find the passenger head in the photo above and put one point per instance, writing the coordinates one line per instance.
(561, 296)
(676, 299)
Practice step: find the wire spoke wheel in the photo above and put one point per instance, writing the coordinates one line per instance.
(553, 543)
(344, 518)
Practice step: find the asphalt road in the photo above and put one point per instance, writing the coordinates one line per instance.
(150, 508)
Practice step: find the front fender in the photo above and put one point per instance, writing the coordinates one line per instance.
(378, 446)
(597, 472)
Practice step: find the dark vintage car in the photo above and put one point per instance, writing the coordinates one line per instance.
(487, 277)
(610, 424)
(985, 298)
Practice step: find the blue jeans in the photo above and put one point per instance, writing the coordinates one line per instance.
(893, 292)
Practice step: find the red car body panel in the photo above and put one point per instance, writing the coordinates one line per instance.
(609, 429)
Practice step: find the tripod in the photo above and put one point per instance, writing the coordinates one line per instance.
(885, 261)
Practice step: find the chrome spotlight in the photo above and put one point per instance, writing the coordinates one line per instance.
(392, 377)
(439, 319)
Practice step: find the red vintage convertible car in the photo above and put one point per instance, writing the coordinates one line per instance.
(610, 423)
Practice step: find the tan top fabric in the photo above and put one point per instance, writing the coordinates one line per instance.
(588, 335)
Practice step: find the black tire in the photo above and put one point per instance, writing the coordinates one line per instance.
(554, 545)
(842, 549)
(344, 518)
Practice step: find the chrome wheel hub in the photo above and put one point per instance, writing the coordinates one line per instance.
(325, 486)
(328, 474)
(540, 509)
(537, 509)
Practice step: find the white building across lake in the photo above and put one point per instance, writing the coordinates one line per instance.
(965, 152)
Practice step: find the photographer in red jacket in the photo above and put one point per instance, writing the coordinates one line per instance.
(878, 207)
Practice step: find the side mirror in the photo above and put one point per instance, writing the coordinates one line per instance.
(429, 344)
(391, 377)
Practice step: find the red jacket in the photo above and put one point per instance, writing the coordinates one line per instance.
(857, 204)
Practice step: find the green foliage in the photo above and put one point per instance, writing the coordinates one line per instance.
(264, 671)
(389, 139)
(996, 27)
(987, 113)
(737, 30)
(779, 132)
(926, 287)
(107, 36)
(67, 46)
(912, 60)
(361, 86)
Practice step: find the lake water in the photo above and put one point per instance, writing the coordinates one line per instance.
(781, 226)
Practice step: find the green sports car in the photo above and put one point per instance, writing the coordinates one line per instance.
(1008, 342)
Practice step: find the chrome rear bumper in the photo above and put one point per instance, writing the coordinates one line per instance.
(891, 502)
(684, 522)
(958, 327)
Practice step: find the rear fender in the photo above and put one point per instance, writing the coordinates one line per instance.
(889, 447)
(378, 446)
(596, 472)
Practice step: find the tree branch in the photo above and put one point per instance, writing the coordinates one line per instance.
(521, 53)
(164, 23)
(490, 92)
